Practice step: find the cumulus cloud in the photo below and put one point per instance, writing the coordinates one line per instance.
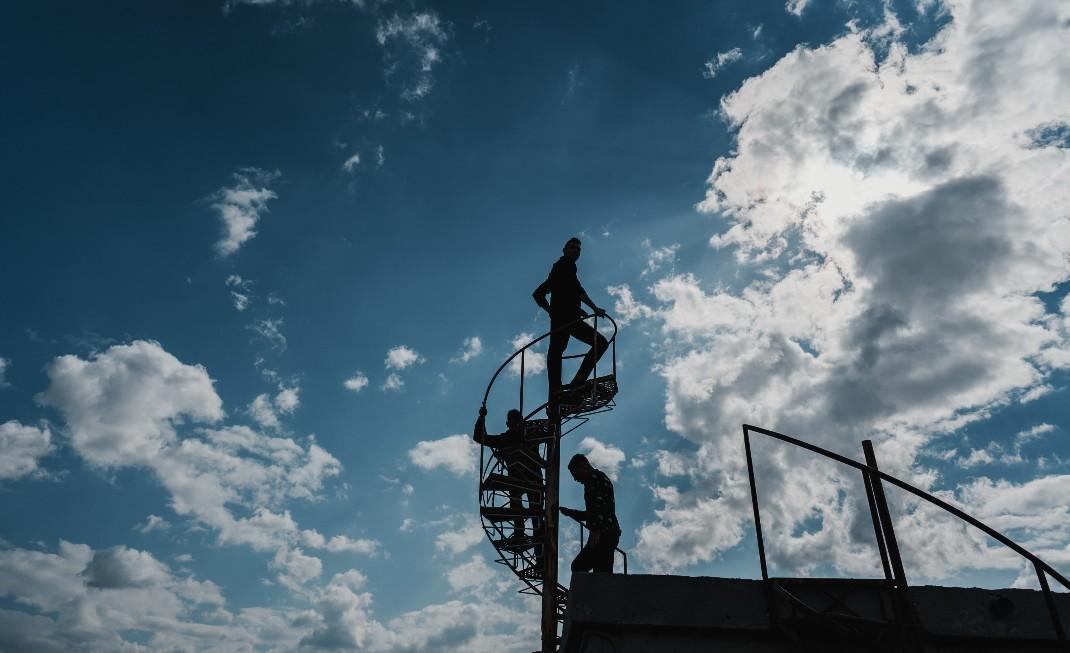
(471, 348)
(893, 222)
(722, 59)
(459, 541)
(357, 382)
(474, 575)
(21, 448)
(412, 48)
(402, 357)
(458, 454)
(241, 205)
(87, 600)
(534, 361)
(122, 408)
(605, 457)
(4, 364)
(351, 163)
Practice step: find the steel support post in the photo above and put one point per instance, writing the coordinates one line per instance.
(549, 547)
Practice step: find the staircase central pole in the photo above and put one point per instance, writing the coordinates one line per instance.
(549, 547)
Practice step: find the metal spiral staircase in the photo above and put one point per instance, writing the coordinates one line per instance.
(531, 551)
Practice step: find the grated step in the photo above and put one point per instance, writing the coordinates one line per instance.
(505, 514)
(504, 482)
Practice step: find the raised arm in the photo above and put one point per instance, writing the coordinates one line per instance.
(479, 431)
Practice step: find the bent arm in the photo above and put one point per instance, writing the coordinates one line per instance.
(540, 295)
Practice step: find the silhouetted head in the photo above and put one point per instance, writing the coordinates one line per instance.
(572, 249)
(580, 468)
(514, 419)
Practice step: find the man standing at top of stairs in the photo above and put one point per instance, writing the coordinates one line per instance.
(566, 293)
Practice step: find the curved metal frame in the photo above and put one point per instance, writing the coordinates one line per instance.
(882, 520)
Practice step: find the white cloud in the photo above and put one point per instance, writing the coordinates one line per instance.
(412, 48)
(288, 399)
(241, 302)
(357, 382)
(722, 59)
(1034, 433)
(270, 330)
(4, 364)
(474, 575)
(295, 568)
(380, 156)
(263, 412)
(122, 405)
(605, 457)
(122, 408)
(892, 222)
(402, 357)
(796, 7)
(534, 361)
(351, 163)
(21, 448)
(393, 382)
(459, 454)
(625, 306)
(459, 541)
(471, 348)
(241, 205)
(88, 600)
(153, 523)
(340, 543)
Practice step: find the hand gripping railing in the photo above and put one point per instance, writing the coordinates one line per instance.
(882, 521)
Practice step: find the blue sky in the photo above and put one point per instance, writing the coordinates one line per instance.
(247, 246)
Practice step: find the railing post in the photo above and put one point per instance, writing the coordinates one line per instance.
(876, 525)
(1050, 600)
(754, 505)
(522, 352)
(886, 519)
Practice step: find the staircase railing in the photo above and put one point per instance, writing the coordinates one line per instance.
(887, 545)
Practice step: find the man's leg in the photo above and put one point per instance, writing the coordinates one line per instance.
(515, 503)
(558, 344)
(607, 546)
(584, 560)
(585, 333)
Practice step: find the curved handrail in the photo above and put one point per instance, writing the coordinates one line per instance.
(939, 503)
(611, 343)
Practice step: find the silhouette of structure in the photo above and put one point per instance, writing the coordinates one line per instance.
(654, 614)
(531, 551)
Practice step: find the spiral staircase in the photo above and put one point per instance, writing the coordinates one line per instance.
(531, 551)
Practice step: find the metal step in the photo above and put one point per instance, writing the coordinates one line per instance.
(504, 483)
(589, 397)
(505, 513)
(515, 545)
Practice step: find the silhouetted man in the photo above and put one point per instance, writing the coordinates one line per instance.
(600, 517)
(521, 459)
(566, 293)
